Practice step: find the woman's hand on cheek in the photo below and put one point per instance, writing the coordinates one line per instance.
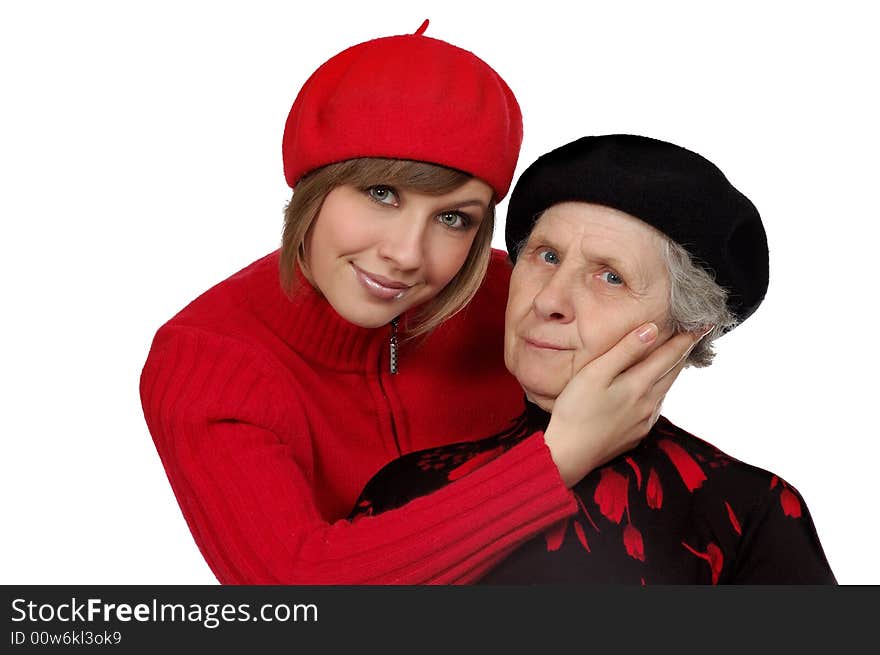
(611, 403)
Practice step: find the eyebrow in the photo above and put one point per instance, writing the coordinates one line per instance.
(615, 263)
(468, 203)
(630, 271)
(634, 275)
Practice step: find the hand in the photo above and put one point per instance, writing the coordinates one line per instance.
(613, 401)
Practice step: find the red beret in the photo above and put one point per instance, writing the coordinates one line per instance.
(406, 97)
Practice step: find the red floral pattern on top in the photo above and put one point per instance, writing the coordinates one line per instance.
(473, 463)
(671, 517)
(636, 470)
(713, 556)
(586, 512)
(635, 545)
(555, 535)
(790, 504)
(654, 490)
(691, 473)
(733, 520)
(611, 494)
(582, 537)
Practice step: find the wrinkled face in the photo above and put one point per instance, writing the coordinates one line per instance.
(375, 253)
(587, 276)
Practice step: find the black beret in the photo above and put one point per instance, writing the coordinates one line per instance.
(677, 191)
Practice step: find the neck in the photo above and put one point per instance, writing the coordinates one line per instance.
(544, 402)
(537, 418)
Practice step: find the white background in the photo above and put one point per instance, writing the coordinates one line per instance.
(140, 163)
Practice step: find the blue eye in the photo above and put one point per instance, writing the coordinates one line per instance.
(548, 256)
(611, 278)
(384, 195)
(454, 220)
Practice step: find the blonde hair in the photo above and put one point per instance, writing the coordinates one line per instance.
(308, 197)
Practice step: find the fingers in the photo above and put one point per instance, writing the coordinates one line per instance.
(626, 352)
(662, 386)
(662, 361)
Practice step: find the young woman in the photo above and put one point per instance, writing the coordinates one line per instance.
(274, 396)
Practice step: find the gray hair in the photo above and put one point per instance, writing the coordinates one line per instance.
(695, 301)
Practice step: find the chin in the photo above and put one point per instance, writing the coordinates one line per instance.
(541, 391)
(364, 317)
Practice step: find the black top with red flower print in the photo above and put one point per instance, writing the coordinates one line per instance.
(674, 510)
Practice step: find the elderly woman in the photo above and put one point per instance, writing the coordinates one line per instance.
(608, 233)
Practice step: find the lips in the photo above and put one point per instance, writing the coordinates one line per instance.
(543, 345)
(380, 286)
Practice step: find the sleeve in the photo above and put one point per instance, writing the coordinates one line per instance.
(422, 472)
(240, 467)
(781, 545)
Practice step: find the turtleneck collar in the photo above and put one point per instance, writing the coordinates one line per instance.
(536, 418)
(310, 325)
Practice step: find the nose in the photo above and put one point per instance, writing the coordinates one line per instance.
(553, 302)
(402, 243)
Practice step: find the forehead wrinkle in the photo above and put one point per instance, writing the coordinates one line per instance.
(598, 241)
(540, 234)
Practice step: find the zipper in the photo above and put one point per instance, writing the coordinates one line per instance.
(392, 345)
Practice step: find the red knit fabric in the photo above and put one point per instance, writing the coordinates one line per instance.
(403, 97)
(270, 415)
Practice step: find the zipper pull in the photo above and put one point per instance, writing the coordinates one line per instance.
(393, 345)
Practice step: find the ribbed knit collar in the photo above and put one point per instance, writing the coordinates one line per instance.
(310, 325)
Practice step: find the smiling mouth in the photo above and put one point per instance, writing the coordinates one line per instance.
(544, 345)
(379, 286)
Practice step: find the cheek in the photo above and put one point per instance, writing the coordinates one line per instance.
(513, 314)
(340, 228)
(601, 330)
(315, 250)
(604, 329)
(345, 237)
(519, 298)
(320, 253)
(447, 256)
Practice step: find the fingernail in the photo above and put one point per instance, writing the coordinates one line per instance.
(647, 333)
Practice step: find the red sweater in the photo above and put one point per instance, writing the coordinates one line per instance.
(271, 415)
